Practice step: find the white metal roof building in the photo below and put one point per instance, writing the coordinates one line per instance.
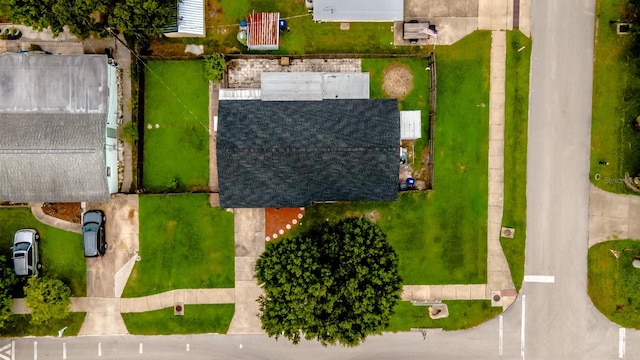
(58, 127)
(315, 86)
(358, 10)
(190, 19)
(410, 124)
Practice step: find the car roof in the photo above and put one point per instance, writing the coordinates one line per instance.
(24, 235)
(92, 216)
(20, 263)
(90, 243)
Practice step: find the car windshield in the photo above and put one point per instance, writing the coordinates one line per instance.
(21, 246)
(90, 227)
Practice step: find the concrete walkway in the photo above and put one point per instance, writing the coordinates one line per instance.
(250, 243)
(141, 304)
(612, 216)
(498, 273)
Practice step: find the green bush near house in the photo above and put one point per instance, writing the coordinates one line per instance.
(60, 251)
(613, 282)
(441, 236)
(184, 244)
(514, 213)
(177, 101)
(462, 315)
(197, 319)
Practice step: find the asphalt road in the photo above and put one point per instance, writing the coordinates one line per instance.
(550, 320)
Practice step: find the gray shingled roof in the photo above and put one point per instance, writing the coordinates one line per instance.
(52, 158)
(292, 153)
(53, 112)
(53, 83)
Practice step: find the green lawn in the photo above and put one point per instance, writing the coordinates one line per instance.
(613, 283)
(515, 151)
(184, 244)
(177, 99)
(441, 236)
(417, 99)
(615, 103)
(462, 315)
(61, 251)
(197, 319)
(18, 326)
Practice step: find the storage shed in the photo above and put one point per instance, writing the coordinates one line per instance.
(263, 32)
(410, 125)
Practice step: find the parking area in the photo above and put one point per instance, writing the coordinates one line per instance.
(107, 275)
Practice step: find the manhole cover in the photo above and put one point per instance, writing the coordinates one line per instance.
(496, 298)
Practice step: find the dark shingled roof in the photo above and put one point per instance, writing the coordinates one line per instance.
(292, 153)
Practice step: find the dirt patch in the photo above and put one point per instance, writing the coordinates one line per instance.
(66, 211)
(397, 81)
(279, 221)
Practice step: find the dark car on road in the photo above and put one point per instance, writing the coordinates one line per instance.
(93, 239)
(25, 252)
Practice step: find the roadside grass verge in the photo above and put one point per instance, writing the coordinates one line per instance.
(417, 99)
(60, 251)
(176, 153)
(463, 314)
(515, 151)
(184, 244)
(197, 319)
(441, 235)
(613, 283)
(615, 103)
(19, 326)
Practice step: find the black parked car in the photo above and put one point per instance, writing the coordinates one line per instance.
(93, 239)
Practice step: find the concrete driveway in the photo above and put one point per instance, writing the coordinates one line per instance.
(107, 275)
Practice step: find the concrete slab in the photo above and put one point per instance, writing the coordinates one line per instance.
(496, 131)
(478, 292)
(203, 296)
(434, 292)
(448, 292)
(245, 268)
(463, 292)
(154, 302)
(106, 323)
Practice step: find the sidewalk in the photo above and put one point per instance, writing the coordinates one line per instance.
(499, 280)
(141, 304)
(612, 216)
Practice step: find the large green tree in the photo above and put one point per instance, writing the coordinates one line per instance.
(337, 283)
(47, 299)
(7, 281)
(141, 17)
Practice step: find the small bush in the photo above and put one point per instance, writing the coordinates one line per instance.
(130, 132)
(214, 67)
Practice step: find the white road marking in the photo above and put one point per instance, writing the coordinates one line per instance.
(500, 332)
(140, 349)
(622, 334)
(99, 349)
(188, 348)
(7, 350)
(13, 350)
(540, 279)
(35, 350)
(64, 351)
(524, 298)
